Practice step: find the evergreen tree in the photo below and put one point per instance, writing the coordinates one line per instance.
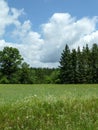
(80, 66)
(73, 67)
(65, 66)
(86, 63)
(94, 63)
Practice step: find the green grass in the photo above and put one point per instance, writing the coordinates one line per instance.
(48, 107)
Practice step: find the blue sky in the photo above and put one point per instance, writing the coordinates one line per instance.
(39, 11)
(40, 29)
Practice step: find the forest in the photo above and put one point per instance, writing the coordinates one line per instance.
(14, 70)
(77, 66)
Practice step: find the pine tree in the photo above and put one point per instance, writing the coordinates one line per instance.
(65, 66)
(80, 67)
(86, 62)
(94, 63)
(73, 67)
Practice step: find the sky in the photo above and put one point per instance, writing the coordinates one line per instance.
(40, 29)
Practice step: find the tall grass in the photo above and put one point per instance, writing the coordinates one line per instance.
(49, 107)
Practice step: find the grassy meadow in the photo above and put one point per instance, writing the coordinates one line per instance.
(48, 107)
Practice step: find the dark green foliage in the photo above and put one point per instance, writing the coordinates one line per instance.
(4, 80)
(76, 66)
(10, 60)
(94, 63)
(65, 65)
(13, 71)
(73, 66)
(53, 77)
(25, 74)
(79, 66)
(44, 75)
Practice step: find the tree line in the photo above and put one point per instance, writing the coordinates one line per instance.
(76, 66)
(13, 70)
(79, 65)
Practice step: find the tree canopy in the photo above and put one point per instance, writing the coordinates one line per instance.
(76, 66)
(14, 70)
(79, 66)
(10, 60)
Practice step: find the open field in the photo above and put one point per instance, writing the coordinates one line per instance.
(48, 107)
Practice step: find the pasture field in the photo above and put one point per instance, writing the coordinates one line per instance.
(49, 107)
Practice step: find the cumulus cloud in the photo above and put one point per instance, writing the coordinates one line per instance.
(8, 16)
(44, 49)
(27, 41)
(63, 29)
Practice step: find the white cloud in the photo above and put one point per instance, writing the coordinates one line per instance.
(29, 43)
(44, 49)
(8, 16)
(63, 29)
